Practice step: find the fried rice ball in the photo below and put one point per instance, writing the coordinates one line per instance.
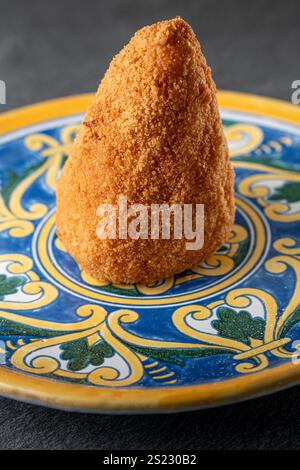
(153, 134)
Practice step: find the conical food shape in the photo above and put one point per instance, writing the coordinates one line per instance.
(153, 134)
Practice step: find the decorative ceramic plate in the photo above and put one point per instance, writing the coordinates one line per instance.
(226, 330)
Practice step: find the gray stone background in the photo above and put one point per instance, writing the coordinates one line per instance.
(55, 48)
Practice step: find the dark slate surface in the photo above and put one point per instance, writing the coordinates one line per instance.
(56, 48)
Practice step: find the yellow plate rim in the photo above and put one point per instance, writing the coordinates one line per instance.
(138, 400)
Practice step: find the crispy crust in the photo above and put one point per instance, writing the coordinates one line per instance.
(153, 133)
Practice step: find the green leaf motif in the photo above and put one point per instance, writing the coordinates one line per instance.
(240, 326)
(222, 250)
(14, 179)
(63, 160)
(13, 328)
(228, 123)
(241, 252)
(292, 321)
(117, 290)
(289, 191)
(10, 285)
(176, 356)
(80, 354)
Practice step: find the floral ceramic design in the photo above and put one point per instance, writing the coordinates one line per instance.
(224, 330)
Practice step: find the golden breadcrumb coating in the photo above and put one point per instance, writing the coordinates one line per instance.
(153, 134)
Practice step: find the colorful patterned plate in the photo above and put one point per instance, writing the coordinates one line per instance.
(223, 331)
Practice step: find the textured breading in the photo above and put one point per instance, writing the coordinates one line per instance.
(154, 134)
